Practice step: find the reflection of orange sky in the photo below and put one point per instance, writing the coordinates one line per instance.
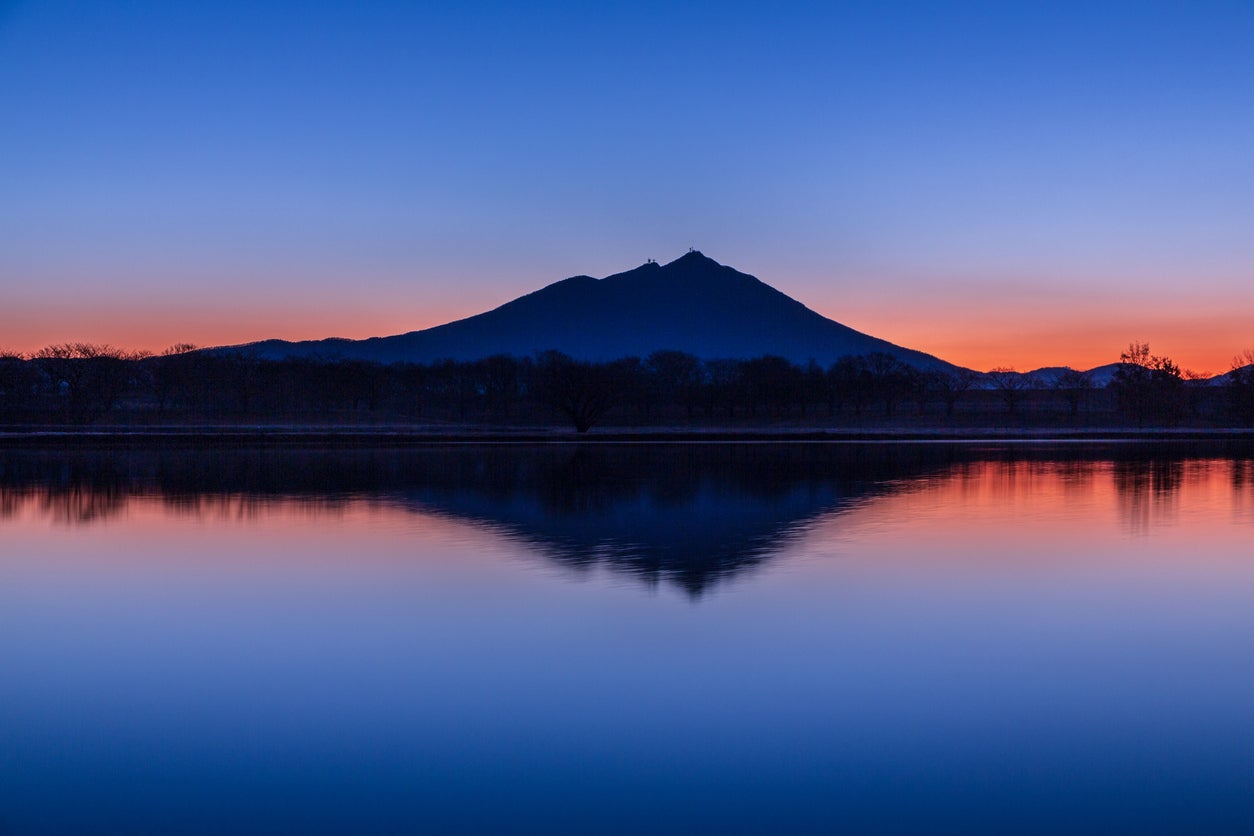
(289, 516)
(1063, 509)
(168, 528)
(1002, 515)
(1127, 496)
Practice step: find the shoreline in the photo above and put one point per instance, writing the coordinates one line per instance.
(417, 435)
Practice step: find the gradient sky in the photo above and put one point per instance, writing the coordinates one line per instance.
(996, 183)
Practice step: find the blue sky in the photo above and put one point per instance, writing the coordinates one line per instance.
(997, 183)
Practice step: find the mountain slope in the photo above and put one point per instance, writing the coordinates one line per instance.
(693, 304)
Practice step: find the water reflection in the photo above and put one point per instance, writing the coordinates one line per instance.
(686, 514)
(950, 638)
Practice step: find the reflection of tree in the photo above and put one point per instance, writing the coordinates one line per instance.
(1148, 490)
(687, 514)
(690, 515)
(71, 489)
(83, 504)
(1242, 475)
(1076, 476)
(11, 502)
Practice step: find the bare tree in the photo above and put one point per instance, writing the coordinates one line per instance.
(90, 377)
(1011, 386)
(1195, 384)
(1074, 386)
(848, 379)
(723, 386)
(1148, 386)
(951, 385)
(677, 377)
(581, 391)
(771, 382)
(887, 378)
(16, 383)
(1240, 385)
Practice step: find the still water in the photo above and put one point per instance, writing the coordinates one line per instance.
(662, 638)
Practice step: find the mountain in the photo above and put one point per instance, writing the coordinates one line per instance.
(1101, 376)
(1047, 377)
(692, 304)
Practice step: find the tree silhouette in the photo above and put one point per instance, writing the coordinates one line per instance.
(723, 386)
(1240, 387)
(1074, 386)
(583, 392)
(1010, 386)
(770, 382)
(951, 386)
(17, 384)
(81, 382)
(1148, 386)
(175, 376)
(677, 377)
(887, 379)
(89, 378)
(849, 379)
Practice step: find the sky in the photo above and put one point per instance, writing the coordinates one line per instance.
(1000, 184)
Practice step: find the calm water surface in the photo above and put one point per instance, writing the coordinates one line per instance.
(687, 638)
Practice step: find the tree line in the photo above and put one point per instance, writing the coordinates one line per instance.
(83, 384)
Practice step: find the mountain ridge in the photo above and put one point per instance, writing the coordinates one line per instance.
(691, 304)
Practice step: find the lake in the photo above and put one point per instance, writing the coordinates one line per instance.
(595, 638)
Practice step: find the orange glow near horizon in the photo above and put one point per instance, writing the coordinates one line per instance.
(1203, 347)
(1030, 325)
(1041, 329)
(131, 329)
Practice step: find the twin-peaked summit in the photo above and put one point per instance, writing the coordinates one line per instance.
(692, 304)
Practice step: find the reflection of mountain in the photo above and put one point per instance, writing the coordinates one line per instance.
(688, 514)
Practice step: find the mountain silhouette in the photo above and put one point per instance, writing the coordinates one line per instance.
(692, 304)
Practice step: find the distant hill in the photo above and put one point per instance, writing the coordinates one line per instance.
(1099, 377)
(692, 304)
(1047, 377)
